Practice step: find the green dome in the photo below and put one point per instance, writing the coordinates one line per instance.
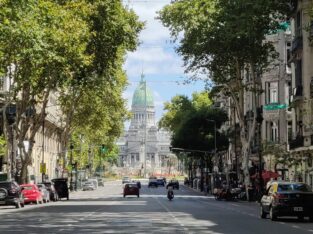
(139, 95)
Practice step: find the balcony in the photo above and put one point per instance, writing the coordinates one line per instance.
(296, 143)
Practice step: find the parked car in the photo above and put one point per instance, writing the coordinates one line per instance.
(61, 187)
(131, 189)
(88, 186)
(31, 194)
(51, 189)
(44, 192)
(174, 183)
(126, 179)
(153, 182)
(11, 194)
(287, 199)
(94, 181)
(160, 182)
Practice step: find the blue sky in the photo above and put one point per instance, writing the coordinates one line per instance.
(156, 57)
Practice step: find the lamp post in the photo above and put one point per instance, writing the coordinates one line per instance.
(71, 163)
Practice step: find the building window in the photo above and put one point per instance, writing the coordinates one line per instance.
(298, 28)
(272, 92)
(274, 132)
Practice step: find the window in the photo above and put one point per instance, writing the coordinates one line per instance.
(272, 92)
(298, 29)
(274, 132)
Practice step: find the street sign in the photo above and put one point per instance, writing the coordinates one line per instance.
(43, 168)
(275, 106)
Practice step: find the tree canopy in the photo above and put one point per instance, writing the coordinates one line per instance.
(192, 123)
(226, 41)
(74, 49)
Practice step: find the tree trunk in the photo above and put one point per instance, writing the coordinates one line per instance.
(24, 178)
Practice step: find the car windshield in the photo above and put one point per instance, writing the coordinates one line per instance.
(131, 185)
(294, 187)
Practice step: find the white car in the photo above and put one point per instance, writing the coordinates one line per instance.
(88, 186)
(126, 179)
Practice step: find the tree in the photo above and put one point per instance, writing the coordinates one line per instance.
(64, 47)
(223, 39)
(190, 122)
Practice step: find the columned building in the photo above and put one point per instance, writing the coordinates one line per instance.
(144, 149)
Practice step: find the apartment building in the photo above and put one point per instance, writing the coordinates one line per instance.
(46, 149)
(301, 129)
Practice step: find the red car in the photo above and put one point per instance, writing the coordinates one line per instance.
(131, 189)
(31, 193)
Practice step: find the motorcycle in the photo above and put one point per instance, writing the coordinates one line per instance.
(226, 194)
(170, 193)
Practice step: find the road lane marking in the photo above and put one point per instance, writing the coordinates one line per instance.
(173, 216)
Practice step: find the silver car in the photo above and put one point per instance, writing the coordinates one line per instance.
(88, 186)
(45, 193)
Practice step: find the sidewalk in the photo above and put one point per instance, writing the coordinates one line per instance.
(242, 202)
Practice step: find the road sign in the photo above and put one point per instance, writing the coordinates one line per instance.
(275, 106)
(43, 168)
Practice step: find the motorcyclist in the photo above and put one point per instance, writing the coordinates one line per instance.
(170, 192)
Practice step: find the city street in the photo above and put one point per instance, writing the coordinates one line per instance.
(106, 211)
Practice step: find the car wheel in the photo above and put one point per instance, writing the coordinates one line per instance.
(262, 213)
(273, 216)
(311, 218)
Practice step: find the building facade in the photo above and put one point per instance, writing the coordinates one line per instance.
(144, 149)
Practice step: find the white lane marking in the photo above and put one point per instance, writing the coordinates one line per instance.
(173, 216)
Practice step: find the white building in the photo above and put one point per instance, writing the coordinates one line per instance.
(144, 148)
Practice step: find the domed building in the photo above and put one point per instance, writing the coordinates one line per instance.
(144, 149)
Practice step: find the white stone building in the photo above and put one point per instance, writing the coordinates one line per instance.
(144, 148)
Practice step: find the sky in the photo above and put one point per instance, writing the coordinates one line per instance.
(156, 59)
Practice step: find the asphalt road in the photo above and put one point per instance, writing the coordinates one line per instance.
(106, 211)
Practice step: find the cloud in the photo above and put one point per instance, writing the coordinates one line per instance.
(155, 55)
